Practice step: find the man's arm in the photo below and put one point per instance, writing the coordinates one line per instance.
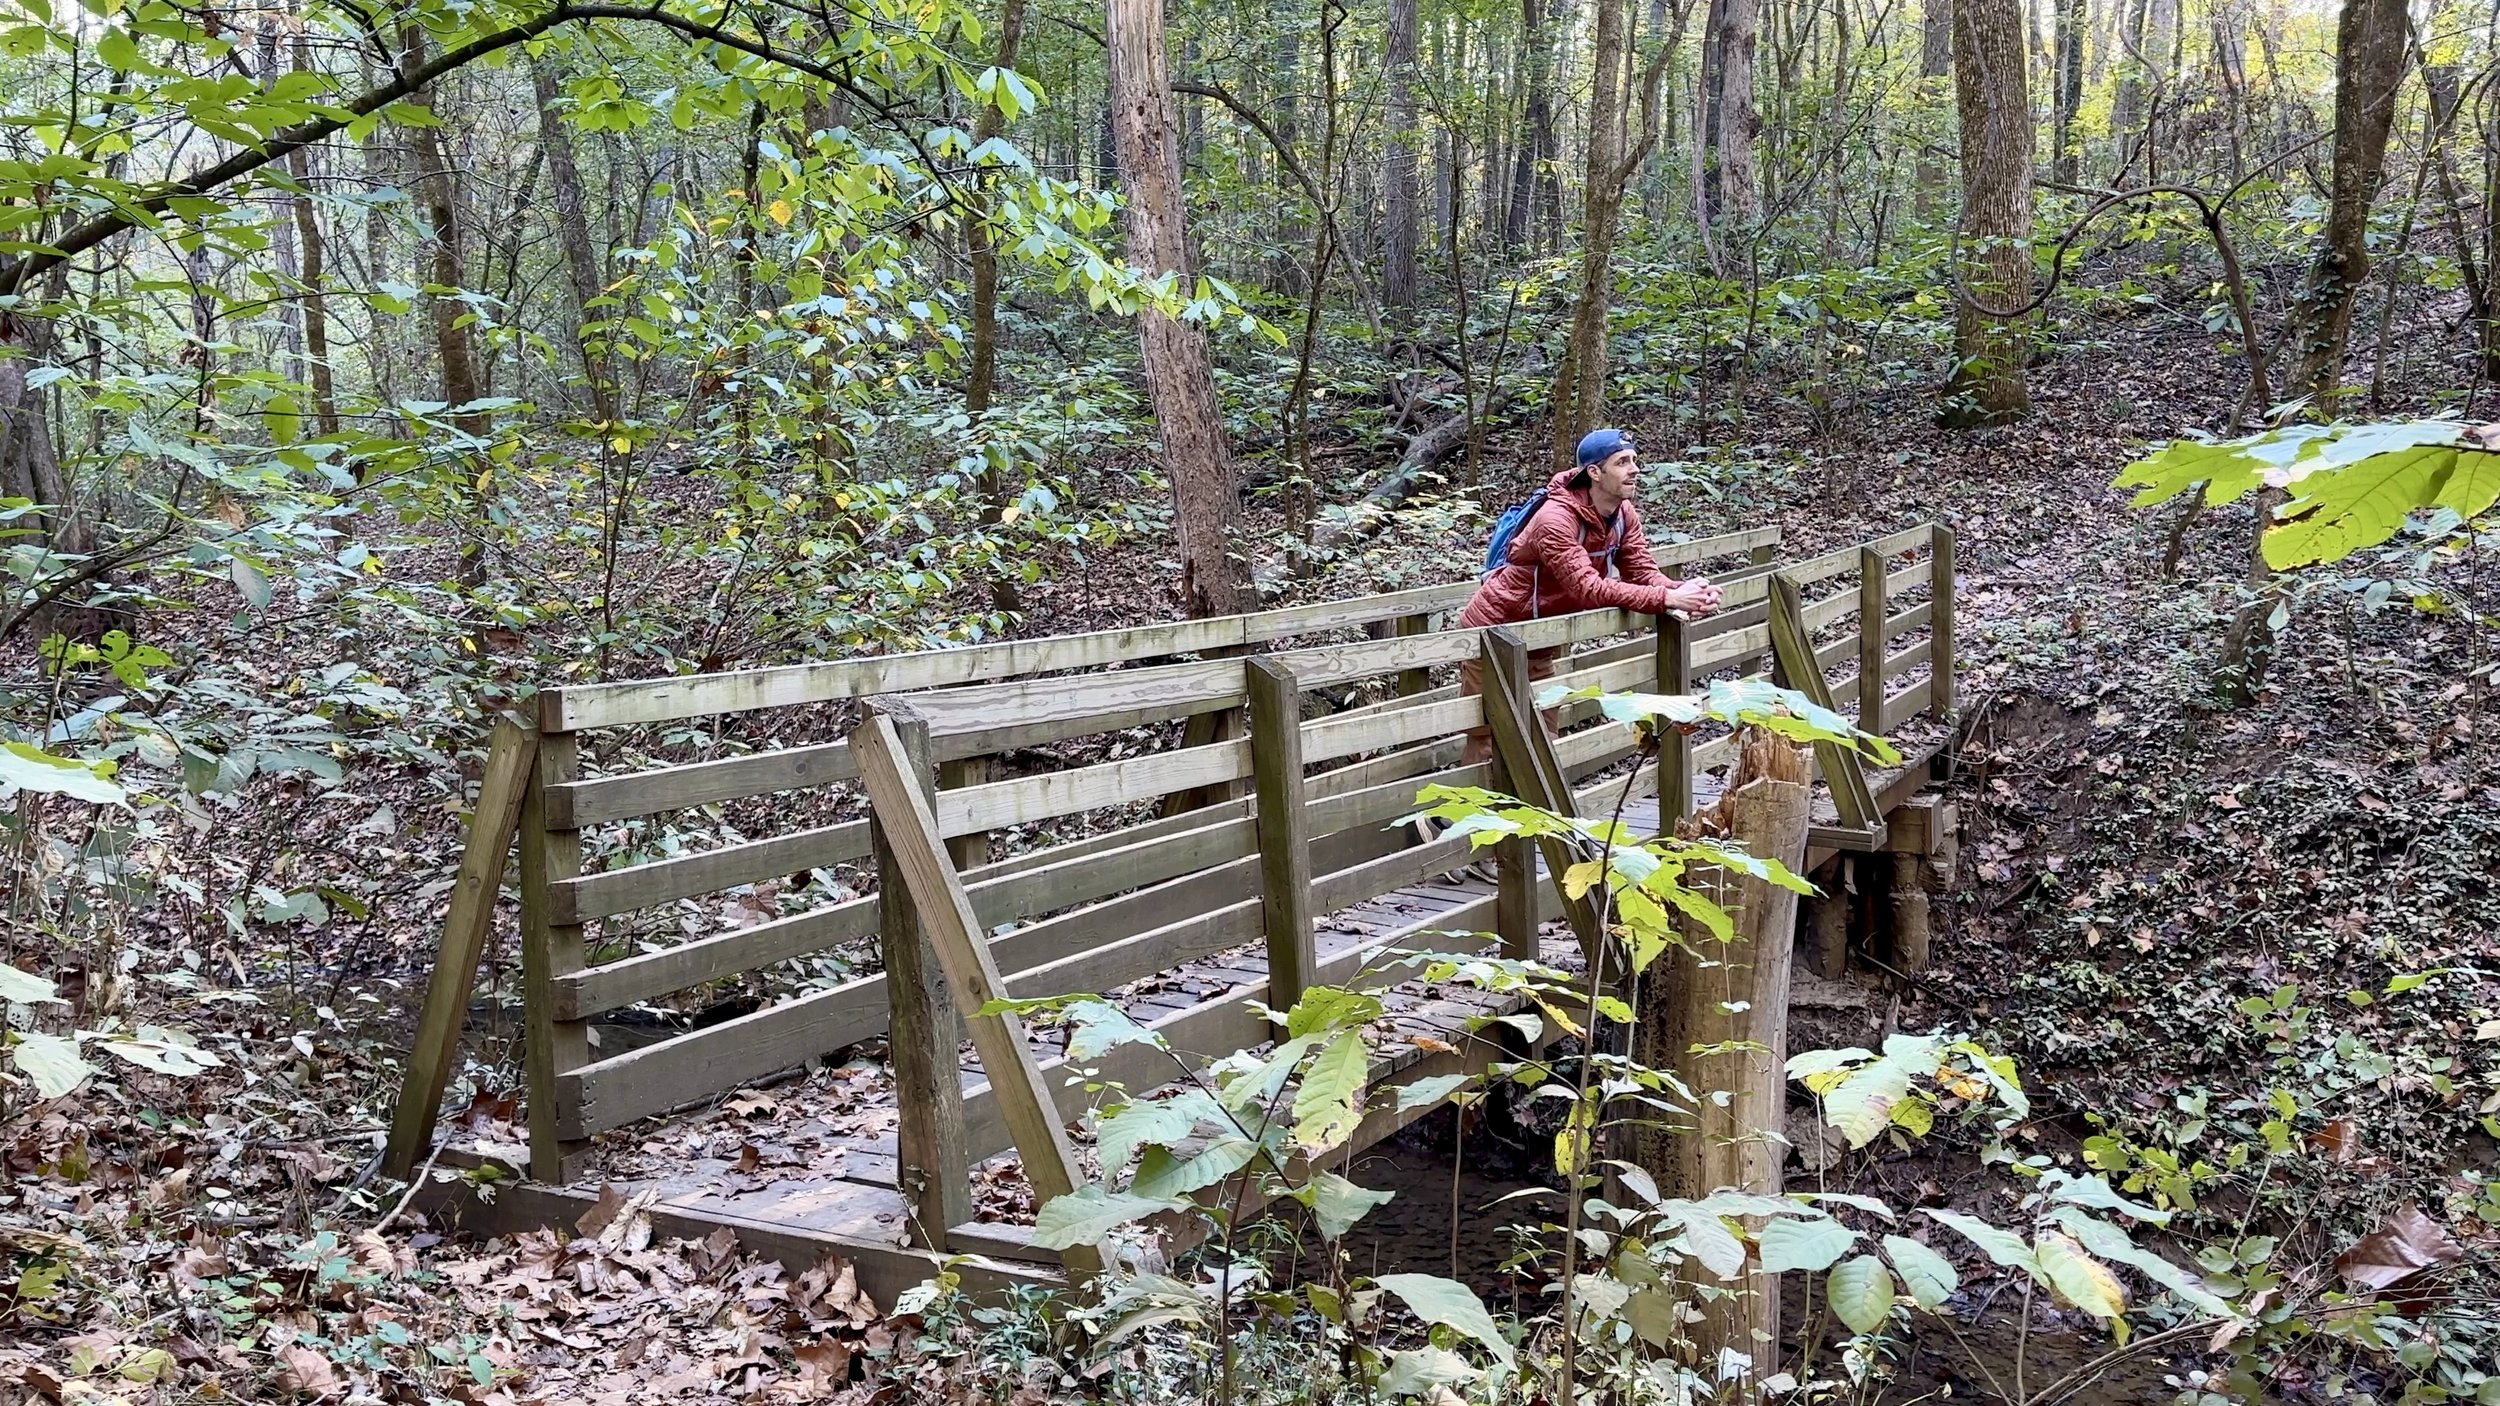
(1568, 571)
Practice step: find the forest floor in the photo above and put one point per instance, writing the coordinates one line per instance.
(2167, 912)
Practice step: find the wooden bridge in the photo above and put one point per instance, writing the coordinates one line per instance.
(1158, 814)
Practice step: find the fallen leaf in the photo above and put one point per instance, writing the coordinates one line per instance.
(2338, 1141)
(306, 1371)
(2405, 1244)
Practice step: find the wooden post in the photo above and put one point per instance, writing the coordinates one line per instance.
(509, 758)
(1675, 749)
(553, 1048)
(973, 850)
(1871, 640)
(1793, 666)
(1940, 591)
(1763, 555)
(1909, 913)
(1527, 757)
(1731, 1000)
(924, 1035)
(1413, 681)
(1284, 831)
(1015, 1075)
(1514, 860)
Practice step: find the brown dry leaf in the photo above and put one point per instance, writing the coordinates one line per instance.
(2338, 1141)
(602, 1213)
(306, 1371)
(827, 1361)
(751, 1105)
(2405, 1244)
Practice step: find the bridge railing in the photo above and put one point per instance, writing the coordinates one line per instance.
(1090, 888)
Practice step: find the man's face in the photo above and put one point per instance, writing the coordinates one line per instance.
(1619, 474)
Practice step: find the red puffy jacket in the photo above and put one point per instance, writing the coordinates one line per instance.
(1558, 564)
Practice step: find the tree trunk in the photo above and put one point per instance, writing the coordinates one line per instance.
(1397, 175)
(2369, 72)
(316, 311)
(981, 251)
(2126, 109)
(1536, 128)
(1730, 999)
(1180, 376)
(1579, 395)
(2070, 26)
(1731, 187)
(1989, 82)
(447, 263)
(583, 274)
(1935, 63)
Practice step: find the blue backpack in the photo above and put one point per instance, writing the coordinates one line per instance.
(1506, 529)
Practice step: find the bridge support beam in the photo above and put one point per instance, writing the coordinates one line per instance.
(924, 1036)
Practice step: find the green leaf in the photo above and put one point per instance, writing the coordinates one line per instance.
(2002, 1246)
(52, 1061)
(1861, 1292)
(25, 988)
(1337, 1203)
(1451, 1305)
(165, 1051)
(1323, 1108)
(1140, 1122)
(1707, 1238)
(2095, 1192)
(1418, 1370)
(1086, 1216)
(1787, 1244)
(1929, 1277)
(26, 767)
(1163, 1173)
(2344, 510)
(2078, 1278)
(2111, 1243)
(1424, 1093)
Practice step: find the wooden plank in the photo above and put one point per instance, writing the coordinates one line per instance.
(1799, 667)
(1898, 664)
(1941, 565)
(1413, 681)
(924, 1031)
(1346, 735)
(1095, 968)
(1361, 883)
(580, 805)
(511, 756)
(1015, 1075)
(1162, 691)
(1871, 639)
(1122, 782)
(969, 851)
(551, 947)
(580, 995)
(662, 700)
(580, 899)
(1517, 736)
(1285, 899)
(1914, 618)
(1673, 670)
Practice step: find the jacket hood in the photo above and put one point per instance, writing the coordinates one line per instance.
(1558, 489)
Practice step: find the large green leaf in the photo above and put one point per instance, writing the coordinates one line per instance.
(26, 767)
(2182, 464)
(2340, 511)
(2078, 1278)
(1787, 1244)
(25, 988)
(2111, 1243)
(1323, 1108)
(52, 1062)
(1164, 1173)
(1707, 1238)
(165, 1051)
(1337, 1203)
(1086, 1216)
(1861, 1292)
(1450, 1304)
(1140, 1123)
(2473, 485)
(2003, 1246)
(1928, 1276)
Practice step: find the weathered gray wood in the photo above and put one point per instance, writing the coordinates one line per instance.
(1921, 653)
(1941, 568)
(580, 899)
(924, 1033)
(1079, 789)
(970, 851)
(1914, 618)
(1413, 681)
(1285, 901)
(1015, 1076)
(1327, 739)
(1800, 667)
(551, 947)
(662, 700)
(511, 758)
(580, 805)
(1871, 641)
(643, 975)
(1519, 739)
(1672, 675)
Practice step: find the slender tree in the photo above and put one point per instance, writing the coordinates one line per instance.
(1397, 176)
(2069, 77)
(1180, 376)
(2371, 38)
(1995, 105)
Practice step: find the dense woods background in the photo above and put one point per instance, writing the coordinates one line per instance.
(365, 367)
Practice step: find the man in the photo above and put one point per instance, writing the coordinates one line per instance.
(1558, 563)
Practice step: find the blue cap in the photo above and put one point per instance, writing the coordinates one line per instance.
(1597, 446)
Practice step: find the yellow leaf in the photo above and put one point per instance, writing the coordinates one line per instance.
(621, 445)
(780, 211)
(1914, 1116)
(1009, 513)
(2078, 1278)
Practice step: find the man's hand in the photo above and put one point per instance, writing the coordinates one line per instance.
(1694, 597)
